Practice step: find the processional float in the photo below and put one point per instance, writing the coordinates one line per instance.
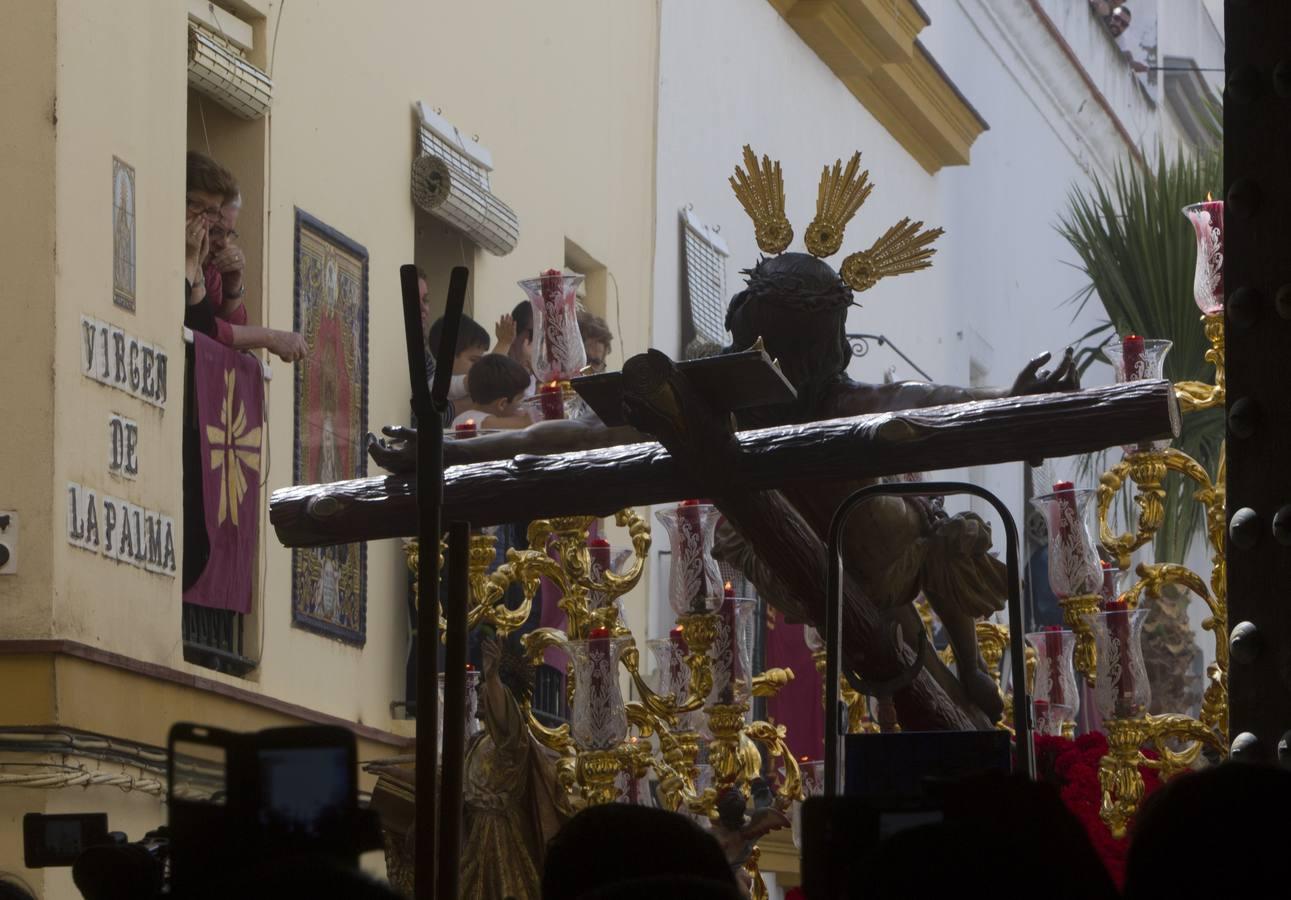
(692, 729)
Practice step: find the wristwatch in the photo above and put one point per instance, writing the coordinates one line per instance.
(242, 292)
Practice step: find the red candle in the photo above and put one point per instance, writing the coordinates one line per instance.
(690, 530)
(598, 552)
(1053, 659)
(1109, 583)
(677, 663)
(551, 401)
(463, 430)
(726, 647)
(1064, 500)
(1132, 362)
(553, 295)
(1118, 634)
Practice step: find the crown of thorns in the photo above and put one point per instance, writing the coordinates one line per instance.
(798, 290)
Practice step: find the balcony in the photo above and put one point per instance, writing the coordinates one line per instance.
(213, 638)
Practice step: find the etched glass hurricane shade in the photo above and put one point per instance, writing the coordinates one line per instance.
(1139, 359)
(599, 721)
(1074, 567)
(1121, 686)
(671, 674)
(604, 558)
(732, 651)
(1055, 672)
(695, 581)
(558, 353)
(1050, 717)
(1207, 220)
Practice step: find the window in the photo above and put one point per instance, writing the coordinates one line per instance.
(592, 294)
(228, 95)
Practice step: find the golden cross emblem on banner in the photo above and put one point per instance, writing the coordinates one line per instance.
(232, 447)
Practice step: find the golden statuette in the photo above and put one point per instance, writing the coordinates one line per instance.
(840, 195)
(903, 248)
(761, 193)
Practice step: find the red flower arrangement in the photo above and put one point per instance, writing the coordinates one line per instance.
(1072, 767)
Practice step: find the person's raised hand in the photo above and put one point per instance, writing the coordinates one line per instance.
(505, 330)
(231, 262)
(195, 245)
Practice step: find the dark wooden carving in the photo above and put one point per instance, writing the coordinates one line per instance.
(599, 482)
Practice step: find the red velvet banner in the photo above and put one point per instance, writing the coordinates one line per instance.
(798, 705)
(228, 391)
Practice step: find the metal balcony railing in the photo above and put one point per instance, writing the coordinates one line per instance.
(214, 638)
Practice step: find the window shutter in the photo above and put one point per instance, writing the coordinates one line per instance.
(450, 180)
(704, 256)
(219, 69)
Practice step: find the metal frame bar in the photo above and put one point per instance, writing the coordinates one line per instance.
(428, 403)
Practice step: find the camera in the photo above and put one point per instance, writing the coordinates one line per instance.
(237, 803)
(105, 865)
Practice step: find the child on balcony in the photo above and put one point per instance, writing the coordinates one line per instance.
(496, 384)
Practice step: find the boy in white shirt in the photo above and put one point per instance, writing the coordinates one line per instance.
(496, 384)
(472, 343)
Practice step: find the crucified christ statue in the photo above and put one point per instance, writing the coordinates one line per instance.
(840, 435)
(896, 547)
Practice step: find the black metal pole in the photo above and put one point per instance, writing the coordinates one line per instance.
(834, 605)
(454, 755)
(428, 405)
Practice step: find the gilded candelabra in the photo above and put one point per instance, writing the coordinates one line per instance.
(660, 731)
(1145, 467)
(1108, 647)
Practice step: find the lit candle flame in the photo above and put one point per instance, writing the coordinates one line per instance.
(728, 586)
(1209, 197)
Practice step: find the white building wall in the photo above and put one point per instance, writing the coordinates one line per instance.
(996, 293)
(733, 72)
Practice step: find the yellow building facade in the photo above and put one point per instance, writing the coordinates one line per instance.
(92, 655)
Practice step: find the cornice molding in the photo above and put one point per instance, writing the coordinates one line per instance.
(1030, 48)
(873, 48)
(189, 681)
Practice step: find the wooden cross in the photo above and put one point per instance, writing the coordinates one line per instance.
(744, 473)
